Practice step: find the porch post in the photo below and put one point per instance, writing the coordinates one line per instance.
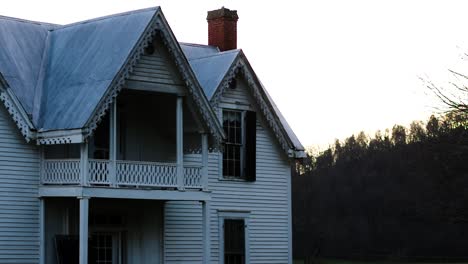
(41, 231)
(206, 232)
(180, 143)
(84, 207)
(84, 164)
(204, 141)
(113, 144)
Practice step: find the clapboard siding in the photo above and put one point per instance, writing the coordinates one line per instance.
(267, 199)
(19, 206)
(182, 232)
(157, 68)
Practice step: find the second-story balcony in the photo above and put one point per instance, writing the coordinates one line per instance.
(139, 144)
(126, 174)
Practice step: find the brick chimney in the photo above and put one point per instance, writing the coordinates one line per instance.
(222, 28)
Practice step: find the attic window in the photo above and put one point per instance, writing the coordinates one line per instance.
(233, 84)
(149, 50)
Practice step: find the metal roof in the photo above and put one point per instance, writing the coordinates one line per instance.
(22, 44)
(59, 74)
(211, 66)
(193, 51)
(83, 60)
(210, 70)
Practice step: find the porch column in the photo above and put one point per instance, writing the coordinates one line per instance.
(84, 164)
(180, 143)
(41, 231)
(204, 141)
(206, 232)
(84, 207)
(113, 144)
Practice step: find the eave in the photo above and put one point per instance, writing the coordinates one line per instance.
(241, 65)
(16, 110)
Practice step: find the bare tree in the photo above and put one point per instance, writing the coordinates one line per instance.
(454, 96)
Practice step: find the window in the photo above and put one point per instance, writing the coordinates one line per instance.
(104, 248)
(233, 237)
(239, 148)
(234, 241)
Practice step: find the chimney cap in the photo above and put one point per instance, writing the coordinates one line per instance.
(222, 13)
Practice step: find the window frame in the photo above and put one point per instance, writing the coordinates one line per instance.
(233, 215)
(242, 177)
(247, 174)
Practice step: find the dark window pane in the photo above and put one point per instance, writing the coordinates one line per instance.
(234, 241)
(232, 124)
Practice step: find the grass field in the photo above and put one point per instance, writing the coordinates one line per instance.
(343, 261)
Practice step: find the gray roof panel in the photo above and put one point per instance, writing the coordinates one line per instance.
(210, 70)
(84, 58)
(22, 45)
(194, 51)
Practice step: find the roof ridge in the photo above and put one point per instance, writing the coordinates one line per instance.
(155, 8)
(217, 54)
(197, 45)
(39, 23)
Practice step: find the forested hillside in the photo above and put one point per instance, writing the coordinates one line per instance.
(400, 194)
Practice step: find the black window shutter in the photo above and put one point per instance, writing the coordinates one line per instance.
(250, 145)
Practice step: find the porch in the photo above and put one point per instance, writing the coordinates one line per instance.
(113, 231)
(127, 174)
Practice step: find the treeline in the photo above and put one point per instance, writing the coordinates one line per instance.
(402, 193)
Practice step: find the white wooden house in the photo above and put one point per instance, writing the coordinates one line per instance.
(118, 144)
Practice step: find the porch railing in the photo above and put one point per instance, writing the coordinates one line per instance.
(126, 174)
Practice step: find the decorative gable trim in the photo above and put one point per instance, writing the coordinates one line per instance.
(16, 111)
(191, 81)
(119, 81)
(60, 137)
(158, 25)
(241, 66)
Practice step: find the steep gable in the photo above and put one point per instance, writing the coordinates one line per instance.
(216, 71)
(156, 68)
(212, 69)
(67, 82)
(84, 60)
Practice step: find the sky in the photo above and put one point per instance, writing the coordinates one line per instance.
(333, 67)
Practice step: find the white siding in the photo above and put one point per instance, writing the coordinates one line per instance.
(157, 68)
(182, 232)
(19, 205)
(267, 200)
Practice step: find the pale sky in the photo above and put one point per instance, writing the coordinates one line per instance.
(334, 68)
